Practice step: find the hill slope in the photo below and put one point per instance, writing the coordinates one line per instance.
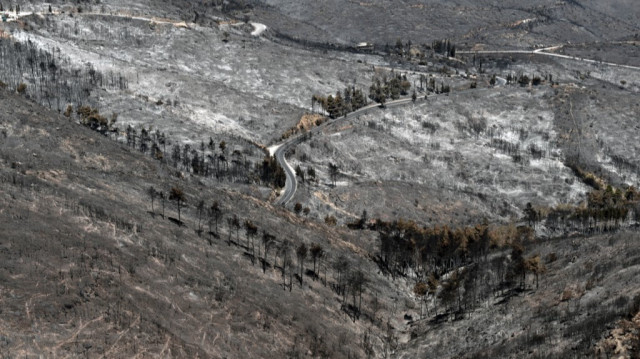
(87, 269)
(507, 23)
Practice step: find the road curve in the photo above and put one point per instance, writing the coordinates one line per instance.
(546, 52)
(291, 184)
(279, 151)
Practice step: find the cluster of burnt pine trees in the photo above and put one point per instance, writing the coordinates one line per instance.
(341, 104)
(265, 248)
(461, 267)
(454, 266)
(48, 77)
(207, 160)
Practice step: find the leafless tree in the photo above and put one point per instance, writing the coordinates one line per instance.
(251, 231)
(356, 282)
(333, 173)
(178, 196)
(301, 253)
(200, 208)
(234, 223)
(267, 242)
(297, 208)
(316, 253)
(340, 266)
(214, 213)
(285, 253)
(162, 198)
(152, 194)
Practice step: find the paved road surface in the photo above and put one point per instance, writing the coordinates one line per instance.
(279, 151)
(545, 52)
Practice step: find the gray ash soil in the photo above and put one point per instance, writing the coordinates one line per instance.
(88, 270)
(89, 266)
(578, 297)
(449, 156)
(213, 81)
(623, 52)
(512, 23)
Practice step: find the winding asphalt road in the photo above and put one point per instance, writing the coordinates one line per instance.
(291, 184)
(545, 52)
(280, 150)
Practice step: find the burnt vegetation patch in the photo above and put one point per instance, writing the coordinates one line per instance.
(126, 239)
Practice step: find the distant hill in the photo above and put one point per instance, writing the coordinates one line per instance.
(503, 23)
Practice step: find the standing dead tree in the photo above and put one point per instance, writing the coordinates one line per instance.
(177, 195)
(234, 223)
(251, 232)
(285, 253)
(267, 241)
(301, 253)
(215, 214)
(200, 208)
(316, 252)
(152, 194)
